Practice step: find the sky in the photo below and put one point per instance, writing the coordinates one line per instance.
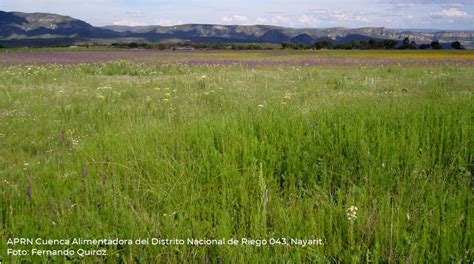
(414, 14)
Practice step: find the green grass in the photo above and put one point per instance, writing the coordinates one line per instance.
(119, 150)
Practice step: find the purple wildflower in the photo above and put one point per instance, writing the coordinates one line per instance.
(84, 172)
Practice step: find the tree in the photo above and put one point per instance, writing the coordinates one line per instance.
(457, 45)
(406, 44)
(323, 44)
(389, 44)
(287, 45)
(436, 45)
(425, 46)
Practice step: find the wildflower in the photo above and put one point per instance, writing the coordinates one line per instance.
(352, 213)
(261, 106)
(168, 94)
(171, 214)
(165, 100)
(203, 76)
(84, 172)
(74, 142)
(101, 97)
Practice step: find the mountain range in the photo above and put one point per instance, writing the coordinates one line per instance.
(43, 29)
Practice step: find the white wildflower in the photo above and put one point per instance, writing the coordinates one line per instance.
(352, 213)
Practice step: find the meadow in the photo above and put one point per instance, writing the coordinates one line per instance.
(369, 151)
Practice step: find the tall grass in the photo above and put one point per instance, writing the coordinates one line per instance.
(175, 151)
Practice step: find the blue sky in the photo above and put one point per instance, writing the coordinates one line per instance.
(419, 14)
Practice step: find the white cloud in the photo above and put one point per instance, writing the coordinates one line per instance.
(280, 20)
(135, 14)
(261, 20)
(404, 5)
(337, 17)
(128, 22)
(452, 13)
(235, 19)
(308, 20)
(241, 19)
(167, 22)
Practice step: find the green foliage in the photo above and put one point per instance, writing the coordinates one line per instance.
(436, 45)
(425, 46)
(457, 45)
(323, 44)
(407, 44)
(174, 151)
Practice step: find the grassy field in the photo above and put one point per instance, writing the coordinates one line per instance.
(374, 160)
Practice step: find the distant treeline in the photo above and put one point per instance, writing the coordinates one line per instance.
(371, 44)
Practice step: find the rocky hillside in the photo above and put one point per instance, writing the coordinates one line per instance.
(17, 26)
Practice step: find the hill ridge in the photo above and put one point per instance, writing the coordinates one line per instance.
(15, 26)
